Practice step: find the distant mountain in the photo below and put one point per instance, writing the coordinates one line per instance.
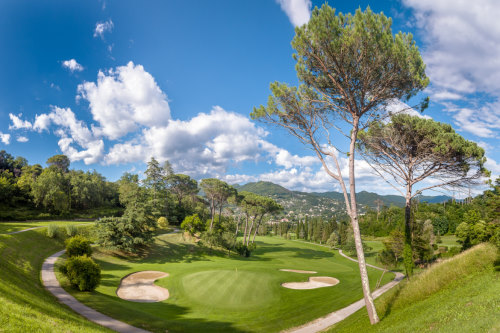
(325, 203)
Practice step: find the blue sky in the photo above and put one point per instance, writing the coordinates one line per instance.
(112, 83)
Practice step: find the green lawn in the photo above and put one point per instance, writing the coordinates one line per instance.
(450, 241)
(25, 306)
(6, 227)
(458, 295)
(214, 293)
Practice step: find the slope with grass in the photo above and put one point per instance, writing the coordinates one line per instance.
(457, 295)
(8, 227)
(211, 292)
(25, 305)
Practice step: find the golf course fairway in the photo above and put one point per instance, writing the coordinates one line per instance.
(212, 292)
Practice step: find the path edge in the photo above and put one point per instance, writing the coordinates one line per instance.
(50, 282)
(322, 323)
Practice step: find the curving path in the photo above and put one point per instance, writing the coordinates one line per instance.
(323, 323)
(50, 282)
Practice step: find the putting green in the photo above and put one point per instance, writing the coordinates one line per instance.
(229, 288)
(213, 292)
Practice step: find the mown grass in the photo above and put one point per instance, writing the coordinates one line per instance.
(6, 227)
(25, 306)
(457, 295)
(210, 292)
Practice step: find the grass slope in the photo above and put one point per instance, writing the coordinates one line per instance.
(457, 295)
(25, 305)
(6, 227)
(214, 293)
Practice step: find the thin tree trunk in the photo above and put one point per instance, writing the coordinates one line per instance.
(245, 233)
(212, 211)
(370, 306)
(237, 225)
(251, 227)
(257, 229)
(408, 235)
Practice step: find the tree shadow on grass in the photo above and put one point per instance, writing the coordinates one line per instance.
(157, 317)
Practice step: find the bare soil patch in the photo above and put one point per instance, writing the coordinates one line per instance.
(313, 283)
(140, 287)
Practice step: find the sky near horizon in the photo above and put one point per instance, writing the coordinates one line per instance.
(112, 83)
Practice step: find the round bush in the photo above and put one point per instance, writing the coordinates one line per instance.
(83, 273)
(78, 246)
(162, 222)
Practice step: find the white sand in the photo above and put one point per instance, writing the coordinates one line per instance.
(139, 287)
(313, 283)
(297, 271)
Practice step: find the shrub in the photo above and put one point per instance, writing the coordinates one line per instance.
(78, 246)
(244, 250)
(71, 230)
(128, 233)
(193, 224)
(82, 272)
(162, 222)
(52, 230)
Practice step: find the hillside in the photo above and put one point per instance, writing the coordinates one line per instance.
(457, 295)
(325, 204)
(26, 305)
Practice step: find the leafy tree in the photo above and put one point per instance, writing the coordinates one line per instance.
(217, 192)
(351, 67)
(193, 224)
(60, 162)
(410, 149)
(155, 184)
(182, 187)
(51, 190)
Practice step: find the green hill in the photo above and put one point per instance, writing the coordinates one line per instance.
(25, 305)
(325, 203)
(457, 295)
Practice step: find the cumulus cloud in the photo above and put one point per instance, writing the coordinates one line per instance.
(462, 43)
(125, 98)
(22, 139)
(298, 11)
(102, 27)
(396, 107)
(5, 138)
(18, 123)
(72, 65)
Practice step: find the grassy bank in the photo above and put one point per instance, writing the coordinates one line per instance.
(25, 305)
(457, 295)
(6, 227)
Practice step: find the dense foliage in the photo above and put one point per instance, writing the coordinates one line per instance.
(82, 272)
(78, 246)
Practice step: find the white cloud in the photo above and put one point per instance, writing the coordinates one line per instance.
(17, 123)
(462, 43)
(397, 106)
(124, 99)
(72, 65)
(5, 138)
(22, 139)
(446, 95)
(102, 27)
(298, 11)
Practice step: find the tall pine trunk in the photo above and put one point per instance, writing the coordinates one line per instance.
(408, 248)
(365, 283)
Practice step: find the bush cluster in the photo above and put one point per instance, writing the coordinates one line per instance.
(78, 246)
(244, 250)
(81, 271)
(52, 230)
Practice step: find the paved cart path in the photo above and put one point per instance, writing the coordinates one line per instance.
(323, 323)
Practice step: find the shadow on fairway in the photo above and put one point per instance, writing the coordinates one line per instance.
(174, 318)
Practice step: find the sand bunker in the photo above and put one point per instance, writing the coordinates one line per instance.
(139, 287)
(313, 283)
(297, 271)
